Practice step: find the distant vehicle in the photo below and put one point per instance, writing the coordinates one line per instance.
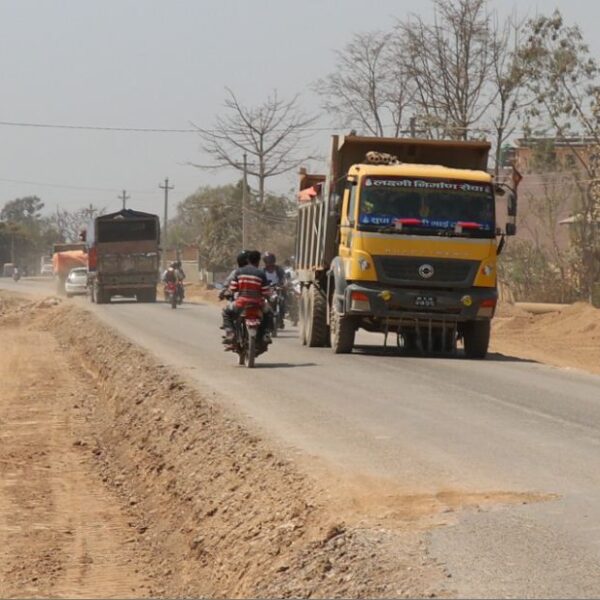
(76, 282)
(46, 266)
(8, 269)
(65, 257)
(123, 256)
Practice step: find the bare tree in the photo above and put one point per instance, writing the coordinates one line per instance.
(564, 79)
(508, 83)
(450, 62)
(270, 134)
(369, 88)
(70, 224)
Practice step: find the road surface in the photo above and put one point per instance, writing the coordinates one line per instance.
(427, 425)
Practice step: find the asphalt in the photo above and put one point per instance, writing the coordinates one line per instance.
(427, 425)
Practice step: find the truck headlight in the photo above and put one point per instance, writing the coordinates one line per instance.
(363, 263)
(488, 270)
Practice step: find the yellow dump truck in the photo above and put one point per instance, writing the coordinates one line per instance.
(400, 237)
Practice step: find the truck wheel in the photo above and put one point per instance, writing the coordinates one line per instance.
(342, 332)
(317, 334)
(302, 304)
(99, 295)
(476, 336)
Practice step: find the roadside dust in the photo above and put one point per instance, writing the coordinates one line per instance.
(61, 531)
(569, 338)
(142, 475)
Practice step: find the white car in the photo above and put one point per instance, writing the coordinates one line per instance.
(76, 282)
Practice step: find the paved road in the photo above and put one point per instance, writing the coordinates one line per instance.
(429, 424)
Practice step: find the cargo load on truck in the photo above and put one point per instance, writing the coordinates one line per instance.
(123, 250)
(400, 238)
(67, 256)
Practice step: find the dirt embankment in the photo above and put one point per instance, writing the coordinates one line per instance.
(567, 338)
(118, 479)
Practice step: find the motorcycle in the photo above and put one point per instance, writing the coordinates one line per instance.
(173, 293)
(248, 343)
(277, 303)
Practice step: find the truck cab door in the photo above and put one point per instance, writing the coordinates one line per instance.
(347, 220)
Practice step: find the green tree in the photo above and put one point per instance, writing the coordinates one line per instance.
(211, 218)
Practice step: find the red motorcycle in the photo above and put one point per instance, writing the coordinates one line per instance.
(248, 342)
(173, 293)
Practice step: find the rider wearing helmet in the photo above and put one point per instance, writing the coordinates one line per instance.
(277, 278)
(175, 275)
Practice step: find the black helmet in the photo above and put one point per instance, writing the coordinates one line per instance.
(175, 264)
(242, 258)
(269, 258)
(254, 257)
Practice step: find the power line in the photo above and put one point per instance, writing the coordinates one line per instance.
(95, 127)
(69, 187)
(195, 130)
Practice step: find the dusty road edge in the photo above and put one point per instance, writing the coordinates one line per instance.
(219, 512)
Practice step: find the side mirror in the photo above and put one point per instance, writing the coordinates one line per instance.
(511, 229)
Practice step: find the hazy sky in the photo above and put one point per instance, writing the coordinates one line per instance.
(164, 64)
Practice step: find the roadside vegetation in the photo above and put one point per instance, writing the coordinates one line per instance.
(463, 73)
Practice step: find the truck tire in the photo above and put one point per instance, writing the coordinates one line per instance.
(100, 295)
(342, 332)
(302, 303)
(476, 337)
(317, 331)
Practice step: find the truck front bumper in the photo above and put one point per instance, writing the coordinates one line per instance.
(428, 304)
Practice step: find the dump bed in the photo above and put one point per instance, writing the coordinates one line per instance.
(350, 150)
(319, 196)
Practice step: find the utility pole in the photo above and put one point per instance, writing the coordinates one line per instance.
(124, 197)
(165, 187)
(244, 204)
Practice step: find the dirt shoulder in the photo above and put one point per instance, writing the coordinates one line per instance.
(568, 338)
(119, 479)
(63, 532)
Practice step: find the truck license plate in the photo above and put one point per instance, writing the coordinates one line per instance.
(425, 301)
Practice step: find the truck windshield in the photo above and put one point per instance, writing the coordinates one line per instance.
(427, 207)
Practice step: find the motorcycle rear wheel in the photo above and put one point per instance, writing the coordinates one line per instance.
(173, 300)
(251, 352)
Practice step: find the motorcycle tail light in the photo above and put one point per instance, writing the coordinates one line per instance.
(251, 313)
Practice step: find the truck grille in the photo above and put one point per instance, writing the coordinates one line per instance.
(407, 270)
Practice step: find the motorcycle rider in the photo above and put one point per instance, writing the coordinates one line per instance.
(242, 261)
(277, 278)
(176, 275)
(249, 286)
